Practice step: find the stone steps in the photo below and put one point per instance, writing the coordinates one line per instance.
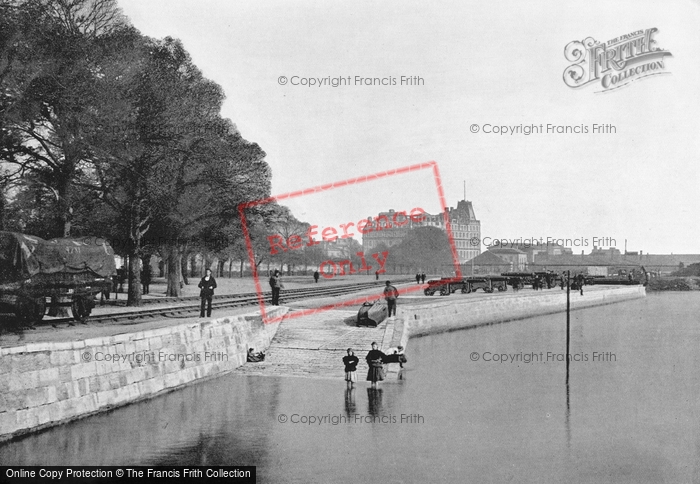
(313, 346)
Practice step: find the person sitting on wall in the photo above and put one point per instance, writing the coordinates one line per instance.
(395, 355)
(254, 357)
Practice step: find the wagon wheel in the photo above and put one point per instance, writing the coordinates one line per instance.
(81, 309)
(444, 291)
(39, 308)
(466, 289)
(29, 311)
(488, 289)
(503, 287)
(428, 292)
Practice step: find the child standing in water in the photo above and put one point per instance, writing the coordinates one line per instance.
(375, 360)
(350, 362)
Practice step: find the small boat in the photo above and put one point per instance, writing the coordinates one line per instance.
(372, 313)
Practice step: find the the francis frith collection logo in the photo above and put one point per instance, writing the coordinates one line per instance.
(615, 63)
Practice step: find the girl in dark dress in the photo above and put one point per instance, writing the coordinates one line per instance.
(376, 369)
(350, 362)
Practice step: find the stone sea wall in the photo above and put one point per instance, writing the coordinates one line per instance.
(45, 384)
(451, 313)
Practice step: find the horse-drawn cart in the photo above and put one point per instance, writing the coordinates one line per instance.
(64, 272)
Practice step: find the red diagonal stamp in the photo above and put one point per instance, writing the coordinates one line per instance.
(333, 246)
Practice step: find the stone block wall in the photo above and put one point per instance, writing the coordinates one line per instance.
(44, 384)
(449, 315)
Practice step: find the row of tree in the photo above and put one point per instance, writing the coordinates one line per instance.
(106, 131)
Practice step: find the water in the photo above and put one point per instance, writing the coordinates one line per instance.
(632, 419)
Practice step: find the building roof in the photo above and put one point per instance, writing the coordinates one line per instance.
(488, 259)
(647, 260)
(464, 211)
(505, 250)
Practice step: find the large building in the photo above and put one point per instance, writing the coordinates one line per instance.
(390, 228)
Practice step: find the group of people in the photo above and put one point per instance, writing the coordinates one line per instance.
(577, 281)
(207, 285)
(375, 361)
(420, 278)
(122, 275)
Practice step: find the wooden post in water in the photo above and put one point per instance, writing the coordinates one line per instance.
(568, 317)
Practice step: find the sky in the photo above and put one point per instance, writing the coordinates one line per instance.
(480, 64)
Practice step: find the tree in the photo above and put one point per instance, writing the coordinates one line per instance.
(423, 247)
(282, 225)
(50, 77)
(105, 131)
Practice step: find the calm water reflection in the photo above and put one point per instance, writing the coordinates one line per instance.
(632, 419)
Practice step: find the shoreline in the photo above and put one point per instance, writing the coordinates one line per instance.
(45, 383)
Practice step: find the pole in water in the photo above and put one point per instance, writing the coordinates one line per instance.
(568, 316)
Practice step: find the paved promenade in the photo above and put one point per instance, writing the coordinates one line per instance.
(313, 346)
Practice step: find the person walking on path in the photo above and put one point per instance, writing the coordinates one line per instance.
(376, 274)
(374, 360)
(207, 286)
(391, 294)
(417, 278)
(275, 285)
(515, 282)
(422, 277)
(350, 363)
(316, 276)
(146, 278)
(581, 281)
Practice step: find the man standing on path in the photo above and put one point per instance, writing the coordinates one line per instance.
(418, 278)
(275, 285)
(391, 294)
(581, 281)
(146, 278)
(207, 286)
(316, 276)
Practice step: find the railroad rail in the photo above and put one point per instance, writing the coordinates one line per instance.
(219, 302)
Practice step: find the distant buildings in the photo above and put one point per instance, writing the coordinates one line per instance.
(542, 251)
(340, 248)
(517, 258)
(612, 262)
(390, 228)
(487, 263)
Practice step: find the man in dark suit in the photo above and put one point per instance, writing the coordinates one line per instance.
(390, 294)
(275, 285)
(207, 286)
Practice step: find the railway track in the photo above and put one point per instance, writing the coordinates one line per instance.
(183, 309)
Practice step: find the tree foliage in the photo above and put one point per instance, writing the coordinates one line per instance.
(106, 132)
(423, 249)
